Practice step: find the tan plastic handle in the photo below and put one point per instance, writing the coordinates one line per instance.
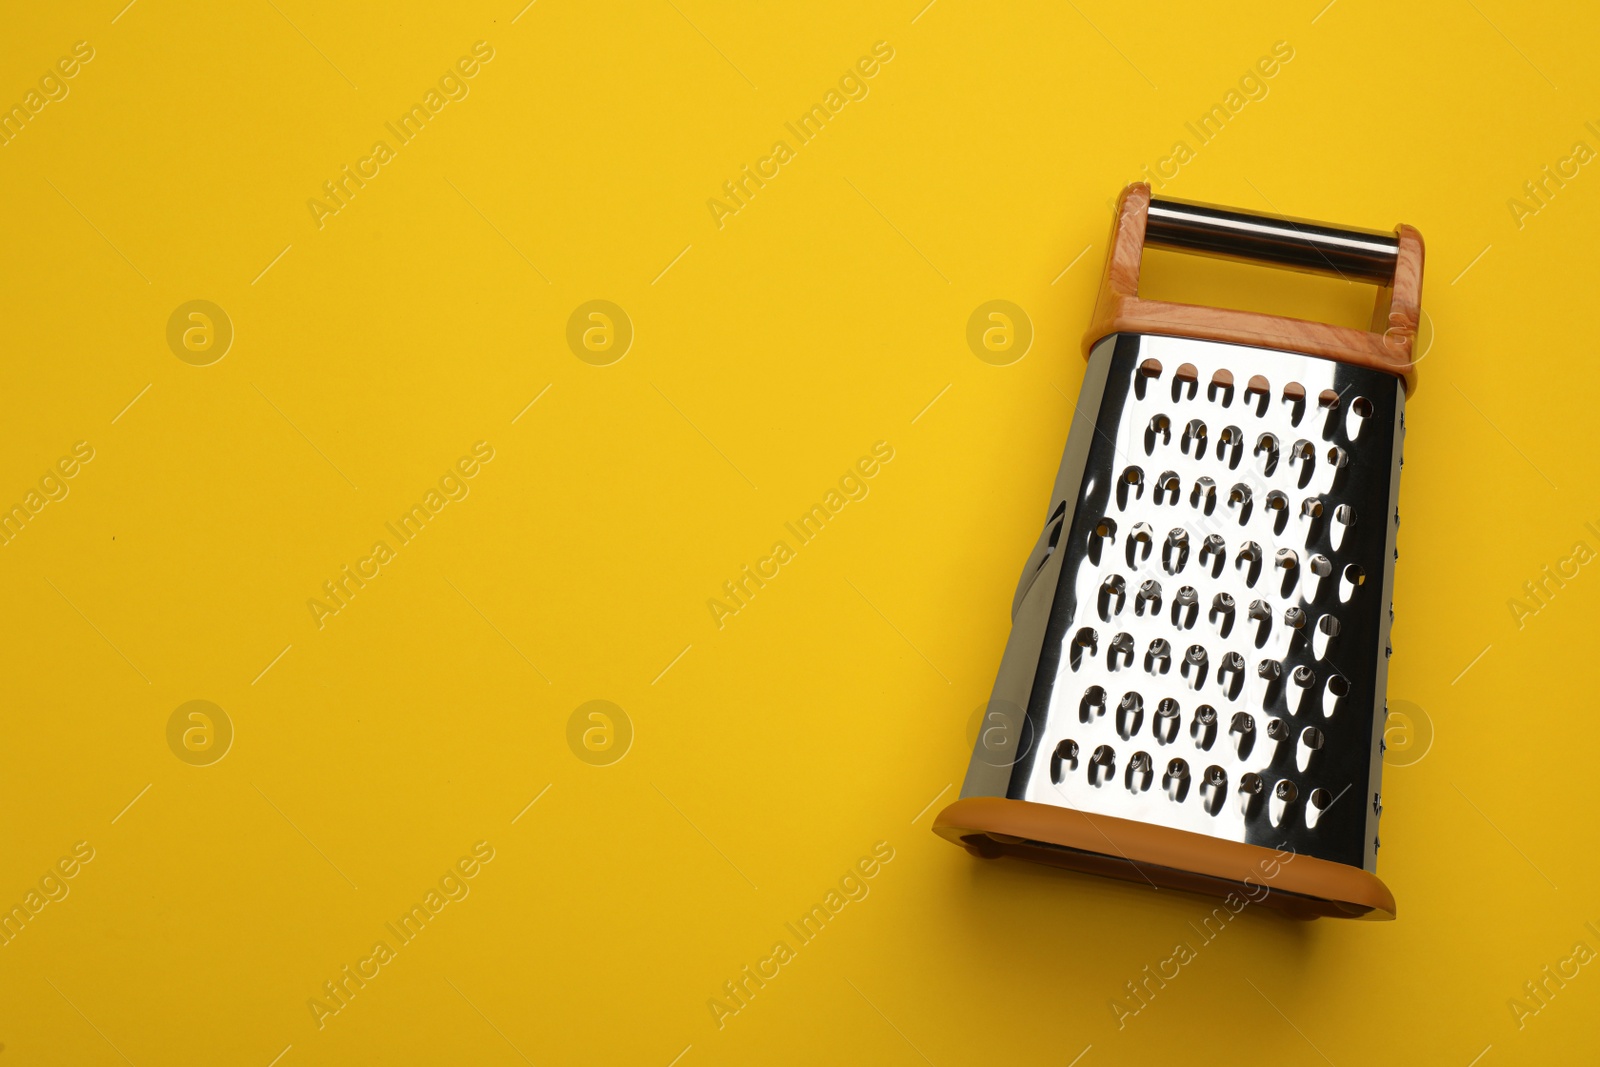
(1387, 345)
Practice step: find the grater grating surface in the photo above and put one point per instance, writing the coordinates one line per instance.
(1217, 564)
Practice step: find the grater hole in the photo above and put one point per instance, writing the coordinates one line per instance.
(1085, 638)
(1130, 713)
(1294, 394)
(1194, 434)
(1352, 578)
(1149, 370)
(1266, 451)
(1185, 607)
(1216, 549)
(1338, 688)
(1344, 517)
(1230, 446)
(1328, 399)
(1243, 730)
(1141, 539)
(1261, 614)
(1338, 457)
(1063, 759)
(1175, 552)
(1320, 565)
(1113, 594)
(1104, 530)
(1271, 674)
(1102, 765)
(1140, 773)
(1319, 800)
(1258, 393)
(1283, 795)
(1288, 560)
(1356, 421)
(1149, 596)
(1194, 666)
(1168, 488)
(1203, 727)
(1165, 726)
(1221, 388)
(1185, 382)
(1176, 780)
(1312, 738)
(1249, 558)
(1158, 657)
(1119, 653)
(1277, 729)
(1251, 788)
(1322, 641)
(1222, 613)
(1160, 426)
(1304, 455)
(1204, 495)
(1239, 497)
(1213, 789)
(1230, 675)
(1130, 484)
(1304, 677)
(1311, 507)
(1093, 704)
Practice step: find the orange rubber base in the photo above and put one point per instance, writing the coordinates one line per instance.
(1303, 887)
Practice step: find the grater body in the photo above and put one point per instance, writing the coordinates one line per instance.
(1200, 637)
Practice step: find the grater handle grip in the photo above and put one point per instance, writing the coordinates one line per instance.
(1393, 261)
(1186, 226)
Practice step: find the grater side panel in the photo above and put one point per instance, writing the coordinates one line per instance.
(1256, 533)
(1380, 707)
(1004, 732)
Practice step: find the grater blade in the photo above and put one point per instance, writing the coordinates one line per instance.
(1202, 634)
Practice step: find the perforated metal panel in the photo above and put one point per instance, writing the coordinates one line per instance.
(1201, 635)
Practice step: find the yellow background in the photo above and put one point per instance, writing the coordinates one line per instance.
(831, 713)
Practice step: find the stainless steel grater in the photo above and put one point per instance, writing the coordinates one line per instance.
(1193, 691)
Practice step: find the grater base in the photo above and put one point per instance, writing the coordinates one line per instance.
(1299, 886)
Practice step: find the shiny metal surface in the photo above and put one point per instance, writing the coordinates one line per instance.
(1355, 254)
(1200, 637)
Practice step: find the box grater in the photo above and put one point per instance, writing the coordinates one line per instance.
(1192, 694)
